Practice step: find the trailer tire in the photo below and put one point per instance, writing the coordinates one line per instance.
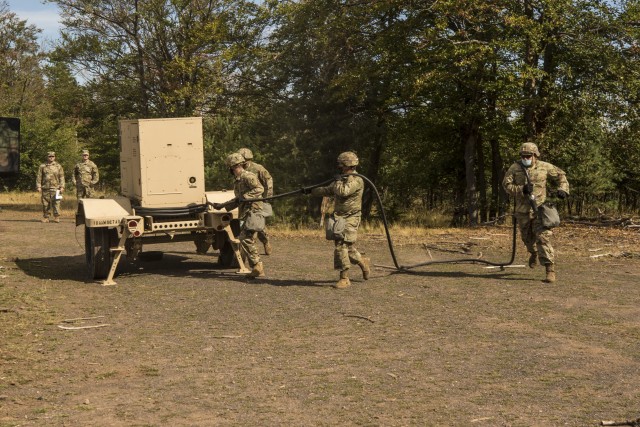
(97, 246)
(227, 257)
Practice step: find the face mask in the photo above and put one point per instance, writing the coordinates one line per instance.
(527, 162)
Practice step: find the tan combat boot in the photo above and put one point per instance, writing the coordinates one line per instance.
(364, 266)
(551, 273)
(257, 271)
(344, 281)
(56, 219)
(44, 220)
(533, 259)
(267, 248)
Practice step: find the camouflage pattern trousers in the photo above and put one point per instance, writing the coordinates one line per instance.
(248, 247)
(49, 202)
(84, 192)
(345, 252)
(536, 238)
(262, 236)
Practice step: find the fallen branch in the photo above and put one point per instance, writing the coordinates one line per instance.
(83, 327)
(506, 266)
(634, 423)
(359, 317)
(81, 318)
(439, 249)
(601, 255)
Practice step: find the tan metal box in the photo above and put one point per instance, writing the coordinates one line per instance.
(162, 161)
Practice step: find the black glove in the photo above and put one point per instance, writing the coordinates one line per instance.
(527, 189)
(305, 190)
(562, 194)
(217, 206)
(337, 177)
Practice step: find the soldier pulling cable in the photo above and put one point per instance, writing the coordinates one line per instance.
(308, 190)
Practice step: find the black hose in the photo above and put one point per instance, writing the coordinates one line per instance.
(306, 190)
(170, 212)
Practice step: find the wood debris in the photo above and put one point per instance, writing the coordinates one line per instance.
(102, 325)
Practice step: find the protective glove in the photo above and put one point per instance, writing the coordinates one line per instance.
(305, 190)
(337, 177)
(562, 194)
(527, 189)
(217, 206)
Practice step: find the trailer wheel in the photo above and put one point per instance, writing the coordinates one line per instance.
(227, 256)
(202, 245)
(97, 245)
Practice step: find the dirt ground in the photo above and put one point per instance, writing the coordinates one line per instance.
(184, 343)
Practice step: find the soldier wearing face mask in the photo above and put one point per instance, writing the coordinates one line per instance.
(536, 237)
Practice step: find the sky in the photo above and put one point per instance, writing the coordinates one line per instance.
(42, 15)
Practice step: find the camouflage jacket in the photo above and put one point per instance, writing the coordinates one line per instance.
(264, 176)
(347, 192)
(247, 186)
(85, 174)
(539, 173)
(50, 176)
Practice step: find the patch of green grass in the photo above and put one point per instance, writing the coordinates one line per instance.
(149, 371)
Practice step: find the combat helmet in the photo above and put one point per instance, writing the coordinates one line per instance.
(348, 159)
(246, 153)
(529, 148)
(234, 159)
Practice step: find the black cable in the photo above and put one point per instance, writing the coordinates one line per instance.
(306, 190)
(170, 212)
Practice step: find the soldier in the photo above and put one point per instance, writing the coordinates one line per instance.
(49, 181)
(536, 238)
(85, 176)
(267, 182)
(246, 186)
(347, 191)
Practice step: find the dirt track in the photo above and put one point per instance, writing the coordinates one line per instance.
(187, 344)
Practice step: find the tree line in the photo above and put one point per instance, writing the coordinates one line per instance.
(435, 96)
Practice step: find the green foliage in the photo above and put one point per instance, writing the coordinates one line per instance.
(434, 96)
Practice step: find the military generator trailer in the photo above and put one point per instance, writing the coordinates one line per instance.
(163, 200)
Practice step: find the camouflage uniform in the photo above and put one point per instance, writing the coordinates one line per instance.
(348, 204)
(85, 176)
(247, 186)
(267, 183)
(49, 179)
(536, 238)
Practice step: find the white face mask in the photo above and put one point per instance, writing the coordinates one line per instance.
(527, 162)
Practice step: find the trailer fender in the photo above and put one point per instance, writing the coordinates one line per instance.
(103, 212)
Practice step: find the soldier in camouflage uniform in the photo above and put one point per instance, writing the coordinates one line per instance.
(50, 179)
(85, 176)
(347, 191)
(246, 186)
(536, 238)
(267, 183)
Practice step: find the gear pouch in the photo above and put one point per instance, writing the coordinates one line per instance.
(335, 228)
(254, 222)
(548, 214)
(267, 209)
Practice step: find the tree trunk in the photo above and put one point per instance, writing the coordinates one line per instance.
(373, 170)
(470, 139)
(482, 180)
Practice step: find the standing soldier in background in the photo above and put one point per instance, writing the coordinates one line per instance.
(267, 183)
(85, 176)
(536, 237)
(50, 180)
(347, 191)
(246, 187)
